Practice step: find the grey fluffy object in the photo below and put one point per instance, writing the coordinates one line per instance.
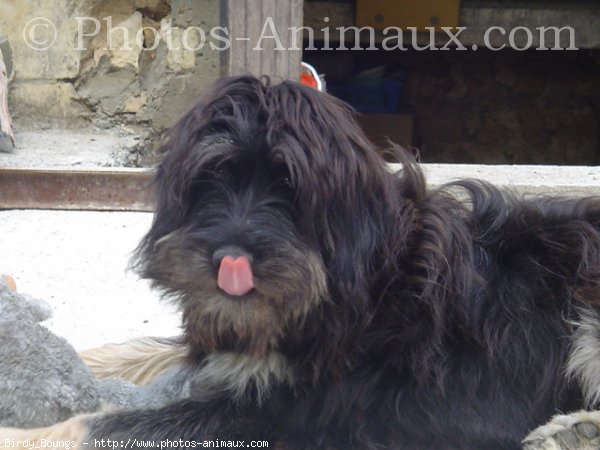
(43, 381)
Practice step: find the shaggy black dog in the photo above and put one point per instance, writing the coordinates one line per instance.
(330, 303)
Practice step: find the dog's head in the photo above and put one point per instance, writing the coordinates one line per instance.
(270, 208)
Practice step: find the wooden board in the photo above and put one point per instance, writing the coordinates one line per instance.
(7, 138)
(407, 13)
(246, 20)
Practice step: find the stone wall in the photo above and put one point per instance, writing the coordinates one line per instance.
(84, 79)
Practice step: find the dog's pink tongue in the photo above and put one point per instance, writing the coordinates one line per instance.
(235, 275)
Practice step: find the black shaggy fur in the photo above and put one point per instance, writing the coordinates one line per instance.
(404, 318)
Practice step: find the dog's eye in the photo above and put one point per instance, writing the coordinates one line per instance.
(282, 179)
(287, 182)
(223, 169)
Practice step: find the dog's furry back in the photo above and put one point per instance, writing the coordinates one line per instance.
(384, 314)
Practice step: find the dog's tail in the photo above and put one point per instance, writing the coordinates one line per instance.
(139, 361)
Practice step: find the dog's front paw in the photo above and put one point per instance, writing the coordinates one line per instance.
(577, 431)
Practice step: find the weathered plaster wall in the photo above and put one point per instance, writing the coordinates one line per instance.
(81, 80)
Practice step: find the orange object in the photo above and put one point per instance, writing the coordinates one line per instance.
(10, 281)
(308, 80)
(310, 77)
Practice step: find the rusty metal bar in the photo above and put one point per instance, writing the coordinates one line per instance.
(98, 189)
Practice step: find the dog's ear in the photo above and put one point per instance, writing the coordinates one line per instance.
(348, 197)
(172, 178)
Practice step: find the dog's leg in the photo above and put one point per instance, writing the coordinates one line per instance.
(69, 434)
(139, 361)
(577, 431)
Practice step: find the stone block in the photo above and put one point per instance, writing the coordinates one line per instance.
(47, 105)
(122, 41)
(110, 90)
(176, 97)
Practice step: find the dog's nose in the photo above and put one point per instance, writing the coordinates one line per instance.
(235, 275)
(230, 250)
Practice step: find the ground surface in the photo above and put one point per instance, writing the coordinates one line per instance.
(77, 262)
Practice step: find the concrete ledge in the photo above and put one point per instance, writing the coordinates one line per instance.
(70, 149)
(534, 180)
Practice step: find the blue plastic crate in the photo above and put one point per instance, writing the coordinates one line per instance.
(379, 98)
